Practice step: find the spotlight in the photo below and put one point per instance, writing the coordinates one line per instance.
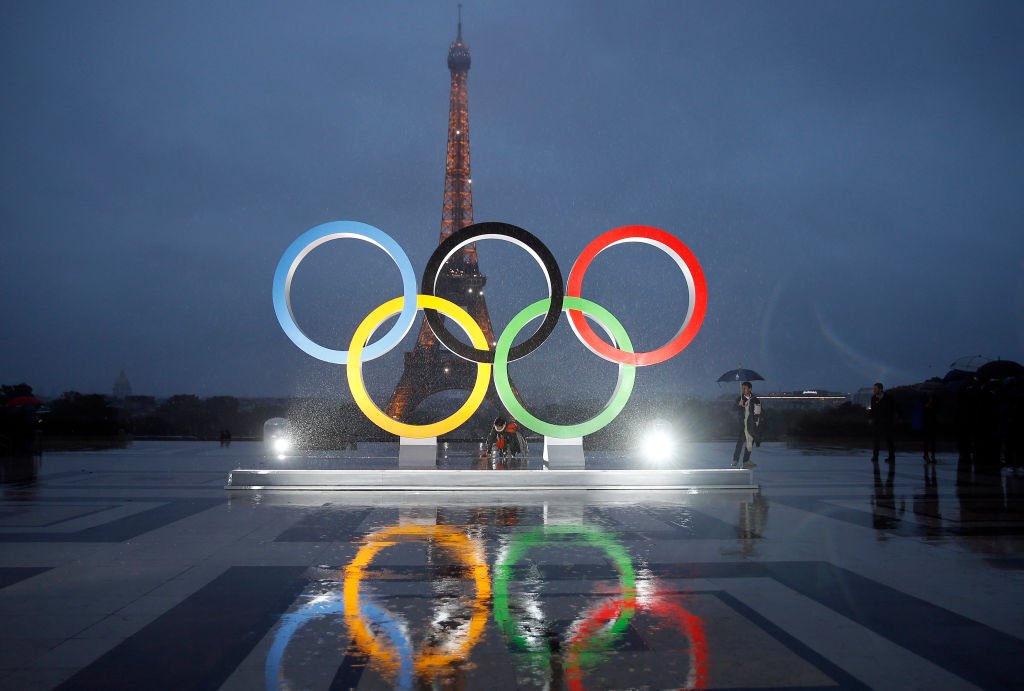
(278, 436)
(658, 443)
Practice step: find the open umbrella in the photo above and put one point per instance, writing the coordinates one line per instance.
(969, 363)
(741, 375)
(1000, 369)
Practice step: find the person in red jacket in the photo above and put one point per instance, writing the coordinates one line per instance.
(503, 438)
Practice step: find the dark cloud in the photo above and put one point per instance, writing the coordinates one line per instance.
(847, 174)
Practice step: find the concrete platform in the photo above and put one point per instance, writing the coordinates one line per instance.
(476, 480)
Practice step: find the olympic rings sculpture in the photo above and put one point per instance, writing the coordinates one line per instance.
(569, 299)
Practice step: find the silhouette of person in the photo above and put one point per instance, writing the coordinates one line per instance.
(988, 441)
(966, 419)
(883, 418)
(1014, 414)
(929, 425)
(748, 414)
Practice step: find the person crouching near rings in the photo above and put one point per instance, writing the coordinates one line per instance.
(502, 440)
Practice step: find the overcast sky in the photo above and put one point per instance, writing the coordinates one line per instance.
(848, 173)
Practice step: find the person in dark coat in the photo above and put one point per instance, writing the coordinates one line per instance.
(929, 425)
(883, 419)
(967, 420)
(748, 413)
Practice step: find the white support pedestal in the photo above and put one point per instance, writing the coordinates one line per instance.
(564, 454)
(564, 513)
(417, 453)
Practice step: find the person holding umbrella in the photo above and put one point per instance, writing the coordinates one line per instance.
(748, 412)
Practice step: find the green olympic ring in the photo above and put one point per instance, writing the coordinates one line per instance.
(522, 543)
(623, 385)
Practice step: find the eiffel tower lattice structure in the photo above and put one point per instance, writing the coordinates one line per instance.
(431, 368)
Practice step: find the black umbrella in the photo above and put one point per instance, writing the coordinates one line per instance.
(1000, 369)
(741, 375)
(969, 363)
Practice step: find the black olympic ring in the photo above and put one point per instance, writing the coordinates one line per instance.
(495, 231)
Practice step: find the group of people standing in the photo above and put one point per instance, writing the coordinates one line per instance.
(988, 416)
(985, 417)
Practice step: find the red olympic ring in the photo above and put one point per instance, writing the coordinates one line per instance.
(658, 605)
(687, 263)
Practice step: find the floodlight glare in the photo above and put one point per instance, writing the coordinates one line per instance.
(282, 445)
(658, 443)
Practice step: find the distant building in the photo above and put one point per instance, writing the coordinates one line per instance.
(863, 396)
(808, 399)
(122, 387)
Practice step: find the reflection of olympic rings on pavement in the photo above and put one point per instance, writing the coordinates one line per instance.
(515, 634)
(570, 299)
(460, 545)
(583, 653)
(322, 606)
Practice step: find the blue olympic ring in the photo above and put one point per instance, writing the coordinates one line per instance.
(306, 243)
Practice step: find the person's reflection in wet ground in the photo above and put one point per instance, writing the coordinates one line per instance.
(1015, 497)
(553, 640)
(883, 501)
(482, 517)
(980, 492)
(926, 504)
(752, 521)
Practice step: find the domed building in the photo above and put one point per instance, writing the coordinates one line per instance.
(122, 387)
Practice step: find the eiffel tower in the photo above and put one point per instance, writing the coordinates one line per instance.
(431, 368)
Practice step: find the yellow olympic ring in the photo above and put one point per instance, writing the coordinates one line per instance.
(354, 368)
(456, 542)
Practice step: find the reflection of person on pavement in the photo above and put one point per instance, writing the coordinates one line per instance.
(883, 418)
(929, 425)
(748, 413)
(753, 518)
(883, 501)
(926, 505)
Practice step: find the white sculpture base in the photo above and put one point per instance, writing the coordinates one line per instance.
(417, 453)
(564, 454)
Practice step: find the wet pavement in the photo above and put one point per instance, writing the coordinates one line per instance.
(135, 569)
